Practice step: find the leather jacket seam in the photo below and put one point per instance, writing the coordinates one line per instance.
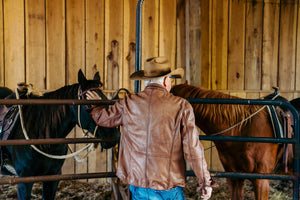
(189, 143)
(124, 120)
(147, 140)
(170, 158)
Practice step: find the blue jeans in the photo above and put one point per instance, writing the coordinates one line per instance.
(139, 193)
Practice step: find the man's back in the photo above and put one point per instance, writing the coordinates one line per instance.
(151, 131)
(151, 154)
(158, 132)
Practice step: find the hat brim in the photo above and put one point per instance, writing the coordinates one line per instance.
(139, 75)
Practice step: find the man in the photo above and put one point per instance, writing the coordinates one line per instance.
(158, 130)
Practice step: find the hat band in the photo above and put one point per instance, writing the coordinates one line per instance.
(154, 74)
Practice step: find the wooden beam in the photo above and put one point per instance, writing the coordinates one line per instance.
(187, 40)
(270, 44)
(236, 44)
(253, 59)
(94, 38)
(206, 45)
(150, 28)
(167, 30)
(219, 44)
(180, 38)
(287, 44)
(114, 33)
(75, 39)
(75, 60)
(14, 49)
(2, 81)
(35, 43)
(297, 87)
(129, 42)
(195, 42)
(56, 44)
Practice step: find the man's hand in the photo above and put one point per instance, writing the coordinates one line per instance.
(206, 192)
(92, 95)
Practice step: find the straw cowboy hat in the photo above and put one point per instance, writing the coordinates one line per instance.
(156, 67)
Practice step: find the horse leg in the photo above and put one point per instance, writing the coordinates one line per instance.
(24, 191)
(236, 187)
(261, 187)
(49, 190)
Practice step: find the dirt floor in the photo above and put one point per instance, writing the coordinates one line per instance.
(79, 190)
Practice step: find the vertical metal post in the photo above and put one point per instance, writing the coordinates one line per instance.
(296, 155)
(138, 43)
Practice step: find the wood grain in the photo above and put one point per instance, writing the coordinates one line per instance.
(219, 44)
(14, 49)
(287, 44)
(2, 76)
(129, 42)
(236, 45)
(94, 38)
(35, 43)
(55, 44)
(75, 25)
(270, 44)
(253, 56)
(206, 44)
(194, 42)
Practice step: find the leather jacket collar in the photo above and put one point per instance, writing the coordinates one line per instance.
(156, 86)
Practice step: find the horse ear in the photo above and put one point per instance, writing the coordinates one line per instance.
(97, 77)
(81, 77)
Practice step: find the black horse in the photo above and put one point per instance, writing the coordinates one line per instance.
(4, 92)
(50, 121)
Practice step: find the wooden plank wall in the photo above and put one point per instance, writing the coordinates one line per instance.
(241, 47)
(46, 42)
(250, 46)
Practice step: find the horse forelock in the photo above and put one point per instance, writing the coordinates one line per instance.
(218, 114)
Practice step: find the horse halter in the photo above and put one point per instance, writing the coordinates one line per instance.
(88, 147)
(82, 93)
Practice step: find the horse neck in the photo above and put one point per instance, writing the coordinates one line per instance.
(213, 118)
(66, 92)
(208, 120)
(216, 118)
(51, 121)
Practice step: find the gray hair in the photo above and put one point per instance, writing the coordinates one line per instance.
(159, 80)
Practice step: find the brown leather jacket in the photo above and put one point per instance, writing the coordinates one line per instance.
(158, 130)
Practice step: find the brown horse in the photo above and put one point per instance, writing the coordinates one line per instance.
(236, 156)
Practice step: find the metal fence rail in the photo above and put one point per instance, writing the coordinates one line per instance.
(295, 141)
(16, 180)
(56, 141)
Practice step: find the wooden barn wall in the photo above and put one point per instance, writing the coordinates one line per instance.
(249, 46)
(46, 42)
(241, 47)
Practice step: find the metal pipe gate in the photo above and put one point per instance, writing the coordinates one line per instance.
(295, 141)
(16, 180)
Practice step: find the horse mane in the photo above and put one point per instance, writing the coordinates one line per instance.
(230, 114)
(45, 121)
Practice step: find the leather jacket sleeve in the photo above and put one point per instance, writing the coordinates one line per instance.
(193, 148)
(110, 117)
